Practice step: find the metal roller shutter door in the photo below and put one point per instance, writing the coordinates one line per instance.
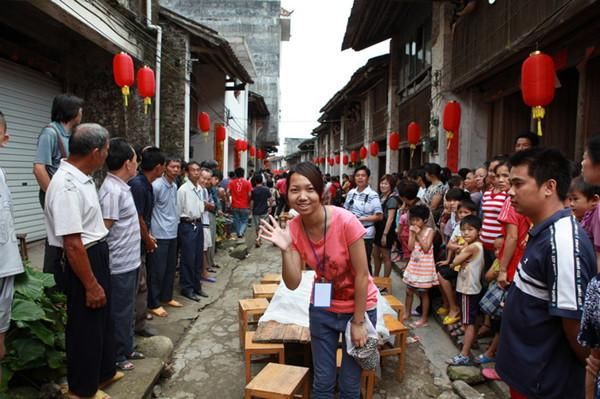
(26, 100)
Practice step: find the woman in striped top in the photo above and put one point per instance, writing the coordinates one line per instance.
(491, 206)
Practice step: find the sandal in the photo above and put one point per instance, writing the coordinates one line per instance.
(125, 365)
(442, 311)
(418, 324)
(459, 360)
(173, 303)
(483, 359)
(118, 375)
(490, 374)
(159, 311)
(101, 395)
(135, 355)
(451, 319)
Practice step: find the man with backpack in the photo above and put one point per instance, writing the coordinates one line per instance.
(52, 146)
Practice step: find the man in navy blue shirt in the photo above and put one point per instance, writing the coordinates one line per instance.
(538, 354)
(152, 167)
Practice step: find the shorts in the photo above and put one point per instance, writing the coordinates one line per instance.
(390, 238)
(257, 218)
(469, 308)
(448, 273)
(207, 239)
(417, 290)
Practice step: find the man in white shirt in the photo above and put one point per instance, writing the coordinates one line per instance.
(9, 250)
(190, 233)
(205, 176)
(74, 222)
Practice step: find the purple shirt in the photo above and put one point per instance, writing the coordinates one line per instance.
(591, 225)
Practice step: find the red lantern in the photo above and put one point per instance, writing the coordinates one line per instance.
(204, 122)
(537, 84)
(414, 135)
(146, 85)
(244, 145)
(363, 152)
(238, 145)
(374, 149)
(260, 154)
(330, 161)
(337, 159)
(354, 156)
(220, 133)
(252, 151)
(451, 120)
(345, 159)
(123, 73)
(394, 141)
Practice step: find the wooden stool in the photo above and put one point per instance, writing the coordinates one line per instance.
(383, 282)
(279, 381)
(367, 377)
(271, 278)
(264, 290)
(22, 237)
(249, 308)
(252, 348)
(400, 332)
(396, 305)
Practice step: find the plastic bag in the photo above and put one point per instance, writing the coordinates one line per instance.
(368, 355)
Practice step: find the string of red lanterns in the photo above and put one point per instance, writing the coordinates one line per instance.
(123, 73)
(394, 141)
(146, 85)
(414, 135)
(374, 147)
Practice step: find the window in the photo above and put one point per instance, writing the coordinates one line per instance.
(416, 56)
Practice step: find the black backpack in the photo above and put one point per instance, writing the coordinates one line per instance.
(338, 197)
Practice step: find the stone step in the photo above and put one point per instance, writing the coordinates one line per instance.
(138, 382)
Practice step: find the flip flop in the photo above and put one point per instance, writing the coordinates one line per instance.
(418, 324)
(125, 365)
(135, 355)
(101, 395)
(490, 374)
(173, 303)
(451, 320)
(442, 311)
(159, 311)
(209, 279)
(118, 375)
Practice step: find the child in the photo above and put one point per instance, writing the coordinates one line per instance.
(448, 219)
(446, 275)
(583, 199)
(407, 192)
(420, 274)
(468, 283)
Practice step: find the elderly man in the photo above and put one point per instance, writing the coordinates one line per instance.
(74, 222)
(9, 250)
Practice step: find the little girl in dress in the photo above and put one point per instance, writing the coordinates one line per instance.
(420, 274)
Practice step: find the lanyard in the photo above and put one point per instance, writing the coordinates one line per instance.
(320, 261)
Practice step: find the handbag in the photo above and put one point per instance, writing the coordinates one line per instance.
(493, 300)
(366, 356)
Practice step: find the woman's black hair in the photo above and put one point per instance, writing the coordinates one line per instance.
(311, 172)
(593, 149)
(463, 172)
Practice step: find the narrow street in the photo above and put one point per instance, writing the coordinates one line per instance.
(208, 361)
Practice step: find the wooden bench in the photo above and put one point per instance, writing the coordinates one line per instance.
(249, 308)
(271, 278)
(264, 290)
(279, 381)
(22, 237)
(400, 333)
(367, 377)
(253, 349)
(383, 282)
(395, 304)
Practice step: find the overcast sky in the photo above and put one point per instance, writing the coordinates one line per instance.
(313, 68)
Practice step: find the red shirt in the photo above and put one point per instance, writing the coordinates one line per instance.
(343, 231)
(240, 190)
(508, 215)
(281, 186)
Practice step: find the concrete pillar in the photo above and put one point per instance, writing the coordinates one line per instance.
(392, 158)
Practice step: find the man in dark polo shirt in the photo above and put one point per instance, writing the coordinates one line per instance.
(152, 167)
(538, 355)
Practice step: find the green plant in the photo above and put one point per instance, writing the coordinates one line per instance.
(222, 227)
(35, 342)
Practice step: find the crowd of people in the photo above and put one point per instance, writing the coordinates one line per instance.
(512, 246)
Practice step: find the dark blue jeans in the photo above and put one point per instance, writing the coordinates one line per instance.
(325, 330)
(240, 220)
(161, 272)
(191, 243)
(122, 311)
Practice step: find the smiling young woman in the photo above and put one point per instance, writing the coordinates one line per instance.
(330, 241)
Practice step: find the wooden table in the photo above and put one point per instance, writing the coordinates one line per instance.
(264, 290)
(272, 331)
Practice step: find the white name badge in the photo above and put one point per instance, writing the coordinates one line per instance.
(322, 295)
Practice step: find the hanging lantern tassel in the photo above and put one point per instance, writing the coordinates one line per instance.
(449, 137)
(147, 102)
(125, 92)
(538, 114)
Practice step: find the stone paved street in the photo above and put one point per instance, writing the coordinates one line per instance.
(208, 362)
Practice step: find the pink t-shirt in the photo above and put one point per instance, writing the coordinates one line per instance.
(344, 230)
